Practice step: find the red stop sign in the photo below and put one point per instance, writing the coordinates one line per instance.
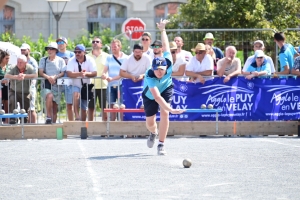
(132, 25)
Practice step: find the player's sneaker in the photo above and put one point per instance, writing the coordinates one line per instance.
(161, 150)
(151, 140)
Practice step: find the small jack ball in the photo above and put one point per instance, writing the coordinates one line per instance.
(187, 163)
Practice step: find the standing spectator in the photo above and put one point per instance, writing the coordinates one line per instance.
(260, 67)
(19, 89)
(178, 62)
(25, 50)
(65, 54)
(4, 68)
(259, 45)
(286, 57)
(111, 73)
(135, 66)
(211, 52)
(51, 68)
(209, 40)
(296, 67)
(100, 85)
(81, 66)
(230, 65)
(186, 54)
(146, 41)
(200, 65)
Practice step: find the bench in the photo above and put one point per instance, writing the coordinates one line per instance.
(11, 115)
(217, 111)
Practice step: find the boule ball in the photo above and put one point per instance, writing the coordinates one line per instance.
(187, 163)
(210, 106)
(15, 111)
(22, 111)
(203, 106)
(2, 112)
(116, 106)
(142, 106)
(122, 106)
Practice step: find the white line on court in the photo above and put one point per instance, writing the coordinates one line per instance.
(220, 184)
(92, 173)
(273, 141)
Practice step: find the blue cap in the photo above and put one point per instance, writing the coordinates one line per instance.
(80, 47)
(160, 63)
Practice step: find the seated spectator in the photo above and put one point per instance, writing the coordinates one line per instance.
(200, 65)
(211, 52)
(179, 62)
(51, 68)
(258, 68)
(230, 65)
(259, 45)
(19, 89)
(81, 66)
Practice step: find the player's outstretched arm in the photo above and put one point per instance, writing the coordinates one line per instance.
(164, 38)
(162, 103)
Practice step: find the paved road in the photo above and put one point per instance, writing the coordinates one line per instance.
(115, 168)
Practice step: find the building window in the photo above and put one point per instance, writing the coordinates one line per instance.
(7, 19)
(106, 15)
(163, 11)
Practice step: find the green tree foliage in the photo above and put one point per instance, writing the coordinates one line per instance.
(279, 14)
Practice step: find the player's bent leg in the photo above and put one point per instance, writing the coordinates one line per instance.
(163, 125)
(152, 127)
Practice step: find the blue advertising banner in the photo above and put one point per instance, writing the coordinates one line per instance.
(259, 99)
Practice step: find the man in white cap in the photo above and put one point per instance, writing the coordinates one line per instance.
(200, 65)
(258, 45)
(51, 68)
(259, 67)
(180, 52)
(25, 50)
(209, 40)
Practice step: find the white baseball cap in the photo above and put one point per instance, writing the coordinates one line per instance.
(25, 46)
(260, 42)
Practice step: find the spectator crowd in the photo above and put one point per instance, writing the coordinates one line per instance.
(83, 90)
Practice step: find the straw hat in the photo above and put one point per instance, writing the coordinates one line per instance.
(199, 47)
(173, 45)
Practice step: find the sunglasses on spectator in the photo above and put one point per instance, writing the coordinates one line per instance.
(50, 48)
(199, 52)
(173, 52)
(259, 57)
(145, 39)
(96, 42)
(60, 42)
(156, 47)
(77, 52)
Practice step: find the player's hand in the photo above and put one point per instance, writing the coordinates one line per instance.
(162, 24)
(177, 111)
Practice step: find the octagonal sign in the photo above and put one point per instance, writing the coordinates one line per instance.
(131, 25)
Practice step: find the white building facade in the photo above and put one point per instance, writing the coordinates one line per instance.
(34, 17)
